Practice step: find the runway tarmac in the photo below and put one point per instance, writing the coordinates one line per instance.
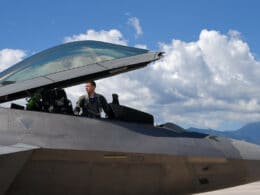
(249, 189)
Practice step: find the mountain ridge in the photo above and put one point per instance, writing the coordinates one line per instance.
(249, 132)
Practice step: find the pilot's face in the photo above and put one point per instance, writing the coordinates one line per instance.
(89, 88)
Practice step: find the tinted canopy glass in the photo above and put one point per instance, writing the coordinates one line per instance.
(65, 57)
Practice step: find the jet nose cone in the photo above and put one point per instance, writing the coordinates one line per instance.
(247, 151)
(250, 159)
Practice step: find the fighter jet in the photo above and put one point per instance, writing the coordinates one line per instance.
(47, 151)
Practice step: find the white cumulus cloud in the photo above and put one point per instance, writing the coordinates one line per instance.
(135, 23)
(111, 36)
(211, 82)
(9, 57)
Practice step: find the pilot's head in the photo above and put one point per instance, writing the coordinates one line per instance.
(90, 87)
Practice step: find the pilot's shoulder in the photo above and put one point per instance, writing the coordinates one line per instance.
(100, 95)
(82, 97)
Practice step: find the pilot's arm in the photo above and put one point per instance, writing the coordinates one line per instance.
(79, 105)
(105, 105)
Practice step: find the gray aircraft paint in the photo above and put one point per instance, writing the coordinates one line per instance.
(45, 153)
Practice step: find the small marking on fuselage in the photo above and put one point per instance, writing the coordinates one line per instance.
(112, 156)
(206, 160)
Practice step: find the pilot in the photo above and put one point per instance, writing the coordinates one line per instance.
(91, 104)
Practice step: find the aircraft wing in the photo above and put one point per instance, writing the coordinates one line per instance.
(70, 64)
(12, 160)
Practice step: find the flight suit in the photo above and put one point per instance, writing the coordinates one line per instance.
(91, 106)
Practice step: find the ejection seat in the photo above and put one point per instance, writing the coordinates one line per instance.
(127, 114)
(50, 100)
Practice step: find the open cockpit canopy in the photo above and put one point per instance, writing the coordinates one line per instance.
(70, 64)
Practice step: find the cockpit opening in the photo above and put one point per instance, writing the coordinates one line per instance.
(56, 101)
(43, 77)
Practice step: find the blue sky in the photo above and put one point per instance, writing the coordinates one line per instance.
(209, 77)
(35, 25)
